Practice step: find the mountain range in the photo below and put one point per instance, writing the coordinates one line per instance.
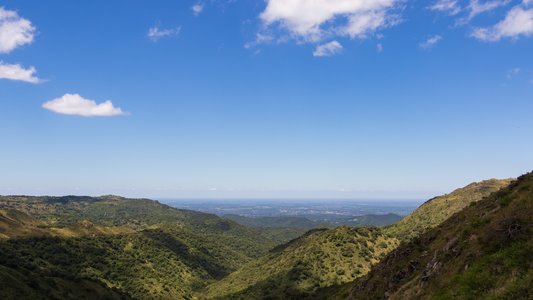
(470, 244)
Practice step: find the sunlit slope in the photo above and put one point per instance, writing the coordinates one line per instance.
(437, 210)
(319, 258)
(279, 274)
(482, 252)
(136, 214)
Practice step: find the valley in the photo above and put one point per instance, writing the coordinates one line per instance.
(75, 247)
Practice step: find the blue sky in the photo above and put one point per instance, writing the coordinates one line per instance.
(263, 99)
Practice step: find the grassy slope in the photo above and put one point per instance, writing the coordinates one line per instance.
(319, 258)
(17, 224)
(482, 252)
(438, 209)
(262, 276)
(197, 248)
(136, 214)
(137, 248)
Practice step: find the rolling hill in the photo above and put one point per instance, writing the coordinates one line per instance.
(319, 258)
(304, 266)
(75, 247)
(111, 247)
(314, 221)
(285, 228)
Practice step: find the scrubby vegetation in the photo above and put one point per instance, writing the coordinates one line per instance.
(456, 246)
(318, 259)
(325, 264)
(116, 247)
(437, 210)
(315, 221)
(482, 252)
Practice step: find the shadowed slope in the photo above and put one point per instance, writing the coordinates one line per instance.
(109, 247)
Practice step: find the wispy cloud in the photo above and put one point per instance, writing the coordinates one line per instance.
(259, 39)
(476, 7)
(431, 42)
(512, 73)
(450, 7)
(197, 8)
(155, 33)
(328, 49)
(469, 10)
(74, 104)
(17, 72)
(14, 31)
(518, 22)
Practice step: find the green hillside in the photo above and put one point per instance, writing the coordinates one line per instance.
(116, 248)
(482, 252)
(315, 221)
(319, 258)
(274, 222)
(278, 274)
(437, 210)
(282, 229)
(75, 247)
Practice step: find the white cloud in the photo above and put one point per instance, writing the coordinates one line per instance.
(197, 8)
(379, 47)
(451, 7)
(14, 30)
(74, 104)
(518, 22)
(472, 9)
(328, 49)
(259, 39)
(155, 33)
(477, 8)
(313, 20)
(359, 25)
(431, 41)
(17, 72)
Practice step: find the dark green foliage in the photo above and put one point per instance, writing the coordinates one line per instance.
(281, 235)
(315, 221)
(320, 258)
(273, 222)
(145, 264)
(153, 251)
